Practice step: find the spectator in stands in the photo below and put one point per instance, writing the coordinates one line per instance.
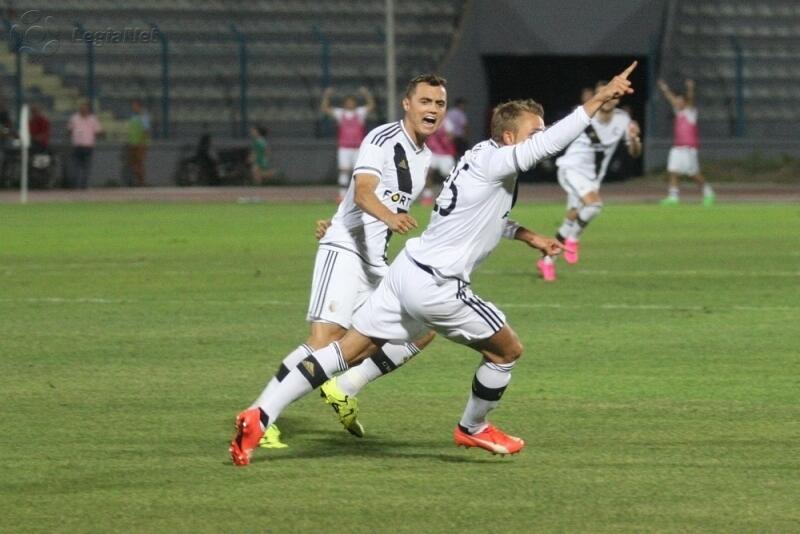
(40, 129)
(84, 128)
(351, 119)
(138, 141)
(586, 94)
(457, 117)
(259, 156)
(6, 124)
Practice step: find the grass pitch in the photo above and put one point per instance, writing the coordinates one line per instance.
(659, 390)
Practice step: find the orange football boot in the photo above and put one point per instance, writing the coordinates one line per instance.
(490, 438)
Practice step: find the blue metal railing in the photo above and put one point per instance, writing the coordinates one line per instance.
(242, 41)
(91, 89)
(738, 102)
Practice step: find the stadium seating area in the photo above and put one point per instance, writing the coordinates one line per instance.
(284, 48)
(702, 46)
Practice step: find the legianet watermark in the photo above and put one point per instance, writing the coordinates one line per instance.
(112, 36)
(33, 34)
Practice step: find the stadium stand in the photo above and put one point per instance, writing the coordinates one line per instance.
(702, 45)
(284, 49)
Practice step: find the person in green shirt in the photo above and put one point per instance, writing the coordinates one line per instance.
(138, 140)
(260, 166)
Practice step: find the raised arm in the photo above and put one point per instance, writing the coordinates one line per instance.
(668, 94)
(634, 140)
(368, 99)
(523, 156)
(325, 105)
(689, 93)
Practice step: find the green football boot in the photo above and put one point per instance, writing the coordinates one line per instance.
(272, 439)
(670, 201)
(345, 406)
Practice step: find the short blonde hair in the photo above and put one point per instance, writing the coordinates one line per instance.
(504, 116)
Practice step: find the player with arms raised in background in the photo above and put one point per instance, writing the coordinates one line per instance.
(389, 174)
(351, 119)
(683, 160)
(427, 286)
(581, 171)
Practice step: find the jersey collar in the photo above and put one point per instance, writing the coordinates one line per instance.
(417, 149)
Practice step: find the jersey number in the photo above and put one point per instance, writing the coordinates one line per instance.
(450, 184)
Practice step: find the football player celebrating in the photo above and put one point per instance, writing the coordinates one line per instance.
(351, 260)
(428, 285)
(581, 171)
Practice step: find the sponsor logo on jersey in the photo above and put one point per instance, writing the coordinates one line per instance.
(401, 199)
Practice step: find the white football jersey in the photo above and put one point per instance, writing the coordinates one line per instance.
(388, 153)
(472, 210)
(591, 152)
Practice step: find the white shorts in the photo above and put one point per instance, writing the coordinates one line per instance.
(683, 160)
(410, 301)
(443, 164)
(346, 158)
(576, 185)
(341, 283)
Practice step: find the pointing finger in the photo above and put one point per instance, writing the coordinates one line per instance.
(628, 71)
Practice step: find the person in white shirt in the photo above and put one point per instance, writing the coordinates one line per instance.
(351, 260)
(427, 286)
(581, 171)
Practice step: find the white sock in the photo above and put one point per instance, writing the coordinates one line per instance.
(389, 358)
(674, 192)
(567, 228)
(707, 191)
(344, 179)
(491, 380)
(585, 216)
(288, 363)
(306, 376)
(549, 259)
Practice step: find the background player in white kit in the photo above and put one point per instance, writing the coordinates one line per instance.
(389, 174)
(581, 171)
(682, 160)
(351, 120)
(427, 286)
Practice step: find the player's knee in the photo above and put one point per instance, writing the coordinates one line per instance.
(511, 352)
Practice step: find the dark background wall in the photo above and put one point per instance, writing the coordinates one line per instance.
(521, 31)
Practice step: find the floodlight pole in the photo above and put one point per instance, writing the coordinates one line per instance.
(391, 64)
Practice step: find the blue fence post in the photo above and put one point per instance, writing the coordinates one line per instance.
(91, 92)
(15, 45)
(739, 127)
(165, 101)
(325, 64)
(243, 79)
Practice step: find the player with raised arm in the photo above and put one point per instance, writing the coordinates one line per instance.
(581, 171)
(428, 285)
(351, 119)
(351, 260)
(682, 160)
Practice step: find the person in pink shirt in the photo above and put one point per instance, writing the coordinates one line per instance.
(351, 119)
(682, 159)
(443, 159)
(84, 128)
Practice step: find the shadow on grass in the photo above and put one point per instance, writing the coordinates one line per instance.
(306, 442)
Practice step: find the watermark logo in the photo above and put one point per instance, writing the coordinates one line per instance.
(33, 34)
(112, 36)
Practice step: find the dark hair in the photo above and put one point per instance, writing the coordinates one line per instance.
(504, 116)
(460, 100)
(262, 131)
(430, 79)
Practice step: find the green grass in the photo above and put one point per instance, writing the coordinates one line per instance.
(658, 392)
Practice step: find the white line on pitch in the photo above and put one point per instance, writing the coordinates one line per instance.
(300, 303)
